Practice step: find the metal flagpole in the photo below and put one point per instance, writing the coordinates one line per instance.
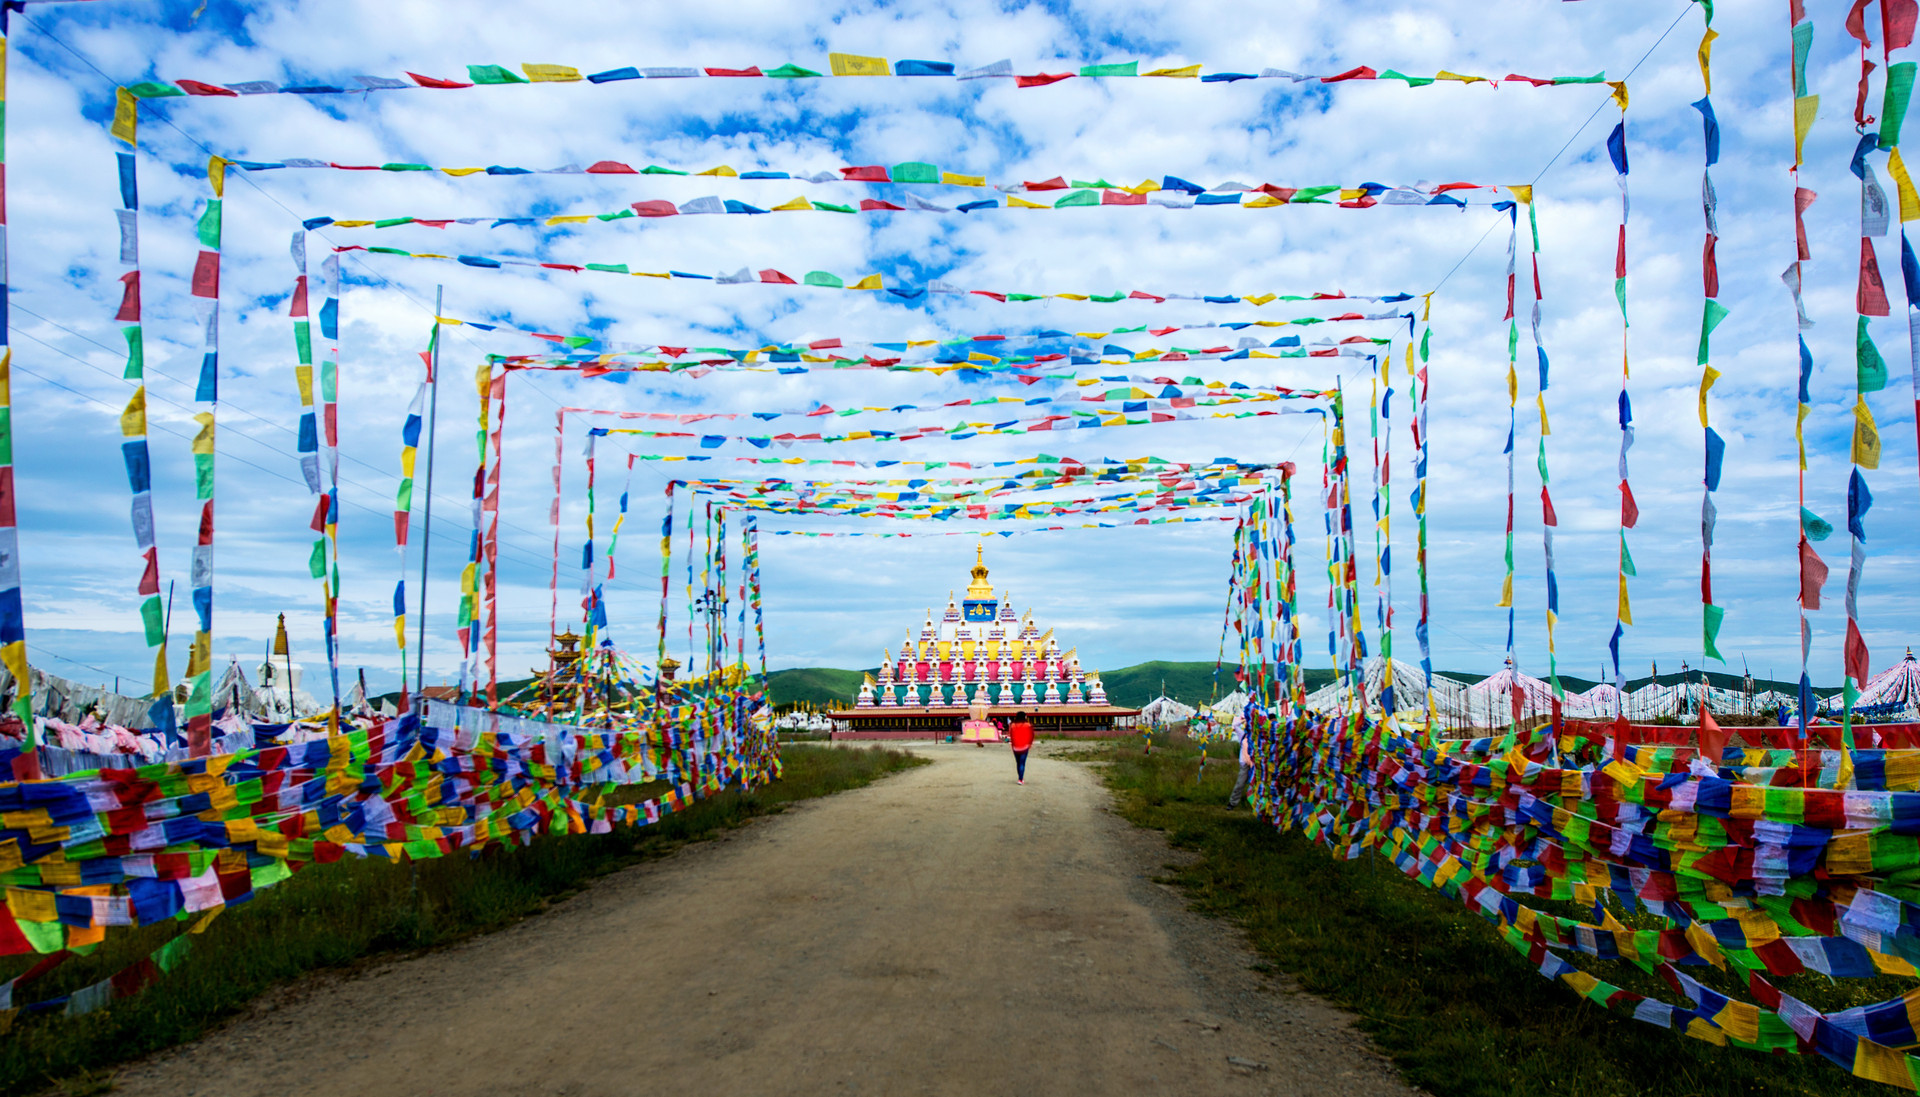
(426, 525)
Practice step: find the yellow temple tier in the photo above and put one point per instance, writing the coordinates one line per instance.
(980, 652)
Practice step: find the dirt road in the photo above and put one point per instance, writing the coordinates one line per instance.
(944, 931)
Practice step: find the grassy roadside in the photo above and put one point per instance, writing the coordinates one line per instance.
(1459, 1011)
(354, 911)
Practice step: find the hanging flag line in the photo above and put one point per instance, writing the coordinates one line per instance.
(1081, 196)
(1159, 464)
(1812, 570)
(1047, 346)
(824, 280)
(1175, 520)
(838, 65)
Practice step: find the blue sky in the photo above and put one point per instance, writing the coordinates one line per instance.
(1121, 596)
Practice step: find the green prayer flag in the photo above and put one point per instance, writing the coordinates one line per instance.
(790, 71)
(822, 278)
(406, 167)
(1815, 527)
(1710, 617)
(1893, 108)
(914, 171)
(136, 353)
(317, 559)
(1802, 43)
(1626, 558)
(609, 268)
(1131, 68)
(1412, 81)
(392, 222)
(148, 89)
(493, 74)
(1710, 316)
(1620, 295)
(154, 618)
(1312, 195)
(1100, 184)
(1078, 198)
(208, 228)
(1871, 369)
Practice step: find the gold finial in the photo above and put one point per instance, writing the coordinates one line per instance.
(979, 588)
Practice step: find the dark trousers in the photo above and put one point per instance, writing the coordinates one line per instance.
(1240, 786)
(1020, 763)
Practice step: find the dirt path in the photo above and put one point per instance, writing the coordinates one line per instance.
(944, 931)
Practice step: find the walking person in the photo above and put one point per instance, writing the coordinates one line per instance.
(1020, 738)
(1242, 733)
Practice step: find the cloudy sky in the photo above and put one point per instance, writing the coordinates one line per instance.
(1121, 595)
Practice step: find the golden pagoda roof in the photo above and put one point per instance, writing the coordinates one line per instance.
(979, 588)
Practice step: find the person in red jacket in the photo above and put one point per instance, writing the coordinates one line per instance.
(1020, 737)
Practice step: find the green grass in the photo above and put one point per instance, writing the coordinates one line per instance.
(1459, 1011)
(338, 915)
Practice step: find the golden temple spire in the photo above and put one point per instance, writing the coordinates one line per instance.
(979, 588)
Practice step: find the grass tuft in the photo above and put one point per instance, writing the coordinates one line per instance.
(1460, 1013)
(357, 911)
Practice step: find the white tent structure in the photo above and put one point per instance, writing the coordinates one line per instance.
(1652, 701)
(1164, 710)
(1601, 702)
(1229, 707)
(1489, 702)
(1409, 691)
(1898, 684)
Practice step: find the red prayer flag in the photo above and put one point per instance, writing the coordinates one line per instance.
(751, 71)
(436, 82)
(1856, 653)
(1896, 23)
(206, 275)
(774, 277)
(1713, 738)
(1143, 295)
(1359, 72)
(1710, 267)
(873, 173)
(611, 167)
(655, 207)
(1871, 300)
(1121, 198)
(878, 204)
(1629, 510)
(195, 87)
(1041, 79)
(129, 299)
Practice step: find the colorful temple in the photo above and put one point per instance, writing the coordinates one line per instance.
(979, 651)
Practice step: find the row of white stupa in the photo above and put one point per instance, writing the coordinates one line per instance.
(952, 694)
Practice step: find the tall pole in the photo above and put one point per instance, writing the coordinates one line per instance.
(426, 525)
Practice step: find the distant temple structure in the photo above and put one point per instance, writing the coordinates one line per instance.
(980, 650)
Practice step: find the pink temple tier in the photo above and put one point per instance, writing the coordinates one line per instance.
(978, 665)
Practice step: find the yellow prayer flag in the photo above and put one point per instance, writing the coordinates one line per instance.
(1866, 436)
(1443, 74)
(126, 116)
(1260, 299)
(1070, 296)
(1909, 201)
(852, 64)
(871, 281)
(303, 378)
(1706, 59)
(203, 441)
(1707, 377)
(1506, 592)
(799, 203)
(1014, 201)
(448, 320)
(1522, 194)
(948, 178)
(1541, 401)
(1805, 109)
(1184, 72)
(1265, 201)
(722, 170)
(569, 219)
(1879, 1063)
(133, 421)
(161, 680)
(1619, 92)
(1146, 186)
(1626, 607)
(551, 74)
(462, 171)
(217, 175)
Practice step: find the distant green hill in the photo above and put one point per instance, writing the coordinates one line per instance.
(817, 686)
